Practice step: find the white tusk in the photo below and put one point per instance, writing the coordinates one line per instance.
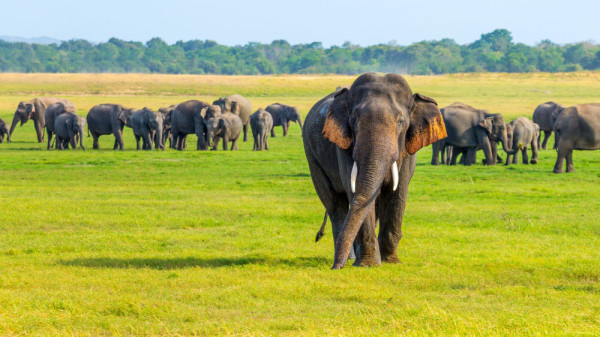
(395, 175)
(353, 177)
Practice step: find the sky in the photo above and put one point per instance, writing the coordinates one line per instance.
(332, 22)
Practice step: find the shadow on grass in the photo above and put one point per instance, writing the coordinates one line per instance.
(192, 262)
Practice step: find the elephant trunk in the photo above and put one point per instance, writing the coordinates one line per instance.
(369, 171)
(73, 142)
(15, 120)
(505, 145)
(158, 139)
(81, 142)
(300, 123)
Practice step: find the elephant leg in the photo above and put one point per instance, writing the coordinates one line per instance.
(569, 157)
(546, 136)
(525, 156)
(137, 142)
(266, 141)
(563, 151)
(367, 250)
(49, 139)
(225, 143)
(234, 146)
(494, 148)
(487, 150)
(336, 204)
(455, 153)
(507, 159)
(390, 208)
(39, 130)
(273, 131)
(118, 140)
(469, 157)
(435, 154)
(285, 126)
(95, 136)
(534, 152)
(246, 132)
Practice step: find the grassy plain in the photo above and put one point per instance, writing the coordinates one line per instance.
(221, 243)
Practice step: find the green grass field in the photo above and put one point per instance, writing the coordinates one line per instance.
(222, 243)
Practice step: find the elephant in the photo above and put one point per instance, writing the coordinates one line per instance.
(576, 128)
(471, 129)
(4, 131)
(190, 117)
(35, 110)
(227, 126)
(50, 115)
(166, 133)
(69, 128)
(521, 133)
(148, 125)
(360, 144)
(260, 123)
(542, 116)
(104, 119)
(244, 109)
(282, 116)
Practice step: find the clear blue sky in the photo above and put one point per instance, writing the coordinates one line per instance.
(302, 21)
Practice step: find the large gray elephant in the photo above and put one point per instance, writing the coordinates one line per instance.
(360, 144)
(4, 131)
(244, 109)
(282, 116)
(261, 123)
(69, 127)
(35, 110)
(473, 129)
(542, 116)
(106, 119)
(522, 133)
(577, 128)
(148, 126)
(190, 118)
(50, 115)
(228, 127)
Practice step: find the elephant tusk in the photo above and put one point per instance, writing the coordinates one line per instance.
(395, 175)
(353, 177)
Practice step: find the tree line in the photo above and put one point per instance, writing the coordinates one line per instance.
(493, 52)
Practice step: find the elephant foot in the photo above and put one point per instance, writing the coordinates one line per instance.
(367, 262)
(391, 259)
(570, 169)
(533, 161)
(557, 171)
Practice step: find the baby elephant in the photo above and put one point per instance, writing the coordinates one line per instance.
(521, 133)
(69, 128)
(261, 123)
(4, 131)
(148, 125)
(227, 126)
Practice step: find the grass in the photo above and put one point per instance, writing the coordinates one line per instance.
(221, 243)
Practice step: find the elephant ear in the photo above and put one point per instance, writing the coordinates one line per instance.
(203, 112)
(337, 125)
(221, 124)
(426, 124)
(234, 106)
(123, 116)
(30, 108)
(487, 124)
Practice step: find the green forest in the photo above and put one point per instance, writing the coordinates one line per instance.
(493, 52)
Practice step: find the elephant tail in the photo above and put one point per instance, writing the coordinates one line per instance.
(322, 230)
(88, 128)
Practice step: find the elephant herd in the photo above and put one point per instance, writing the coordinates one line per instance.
(223, 120)
(470, 129)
